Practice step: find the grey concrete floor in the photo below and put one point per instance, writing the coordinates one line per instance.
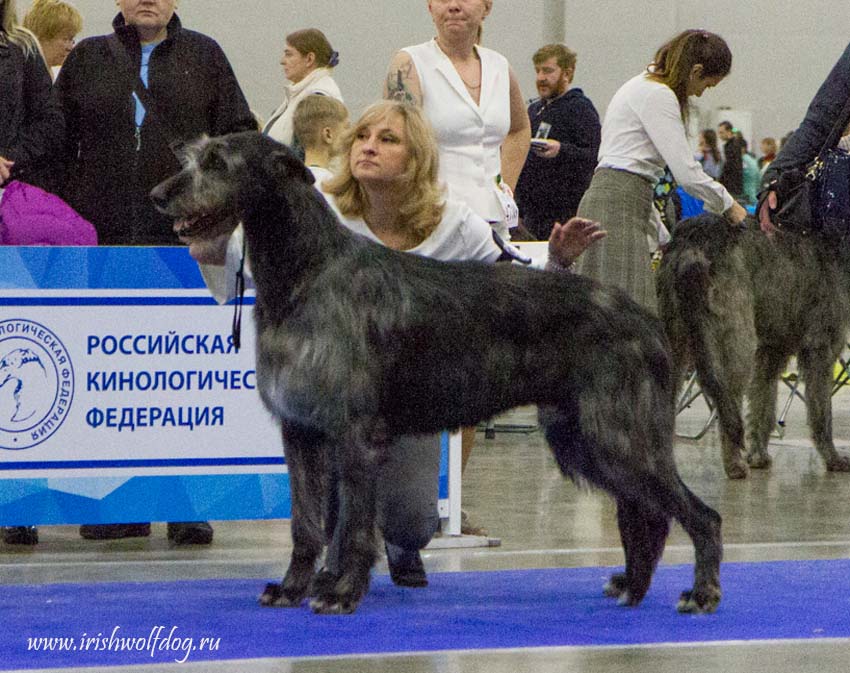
(512, 487)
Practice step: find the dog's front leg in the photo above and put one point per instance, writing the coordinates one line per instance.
(352, 550)
(307, 461)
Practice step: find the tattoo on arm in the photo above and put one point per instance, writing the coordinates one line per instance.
(398, 88)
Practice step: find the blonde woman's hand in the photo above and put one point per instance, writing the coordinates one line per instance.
(567, 241)
(212, 252)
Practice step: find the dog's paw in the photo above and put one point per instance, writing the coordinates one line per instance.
(334, 595)
(275, 596)
(616, 586)
(702, 601)
(323, 582)
(334, 605)
(839, 463)
(759, 461)
(737, 469)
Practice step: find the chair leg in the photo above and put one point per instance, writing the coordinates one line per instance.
(690, 394)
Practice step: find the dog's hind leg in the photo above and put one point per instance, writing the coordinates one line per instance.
(648, 491)
(643, 525)
(816, 370)
(352, 550)
(769, 363)
(306, 457)
(643, 534)
(702, 524)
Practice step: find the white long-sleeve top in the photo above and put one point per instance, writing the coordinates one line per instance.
(643, 131)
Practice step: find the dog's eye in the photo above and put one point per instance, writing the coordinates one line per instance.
(213, 161)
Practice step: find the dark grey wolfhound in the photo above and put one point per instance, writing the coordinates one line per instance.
(358, 344)
(736, 306)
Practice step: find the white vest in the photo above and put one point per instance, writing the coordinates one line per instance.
(469, 135)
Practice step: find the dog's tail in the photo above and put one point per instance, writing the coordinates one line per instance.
(685, 297)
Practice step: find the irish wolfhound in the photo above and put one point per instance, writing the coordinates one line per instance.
(358, 344)
(736, 306)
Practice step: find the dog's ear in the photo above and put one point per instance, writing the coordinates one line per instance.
(284, 165)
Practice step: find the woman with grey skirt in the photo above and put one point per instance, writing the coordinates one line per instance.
(644, 131)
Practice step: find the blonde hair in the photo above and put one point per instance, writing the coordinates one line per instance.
(16, 33)
(48, 19)
(314, 113)
(423, 205)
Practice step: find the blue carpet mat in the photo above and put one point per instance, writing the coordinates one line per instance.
(500, 609)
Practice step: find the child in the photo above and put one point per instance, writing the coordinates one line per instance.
(318, 123)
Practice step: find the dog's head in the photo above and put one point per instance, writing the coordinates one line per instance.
(222, 178)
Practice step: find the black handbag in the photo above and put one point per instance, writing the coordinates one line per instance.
(831, 196)
(815, 199)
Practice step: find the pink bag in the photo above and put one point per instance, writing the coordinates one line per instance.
(31, 216)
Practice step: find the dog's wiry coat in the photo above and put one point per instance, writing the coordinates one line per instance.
(736, 306)
(358, 344)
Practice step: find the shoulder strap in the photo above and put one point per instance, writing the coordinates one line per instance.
(839, 126)
(122, 58)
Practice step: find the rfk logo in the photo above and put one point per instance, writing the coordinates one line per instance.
(36, 384)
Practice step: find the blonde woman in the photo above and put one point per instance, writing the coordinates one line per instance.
(31, 124)
(473, 100)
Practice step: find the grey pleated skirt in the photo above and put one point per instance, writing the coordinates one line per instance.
(622, 203)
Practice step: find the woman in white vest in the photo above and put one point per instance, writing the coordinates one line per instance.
(473, 100)
(307, 61)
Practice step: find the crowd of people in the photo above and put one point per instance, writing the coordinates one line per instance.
(452, 166)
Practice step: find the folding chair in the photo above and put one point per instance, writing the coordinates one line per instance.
(690, 393)
(841, 378)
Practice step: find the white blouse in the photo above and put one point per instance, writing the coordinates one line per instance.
(460, 235)
(643, 131)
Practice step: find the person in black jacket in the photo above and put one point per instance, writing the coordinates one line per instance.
(803, 145)
(732, 174)
(557, 173)
(117, 150)
(31, 124)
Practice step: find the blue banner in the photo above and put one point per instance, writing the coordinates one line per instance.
(122, 397)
